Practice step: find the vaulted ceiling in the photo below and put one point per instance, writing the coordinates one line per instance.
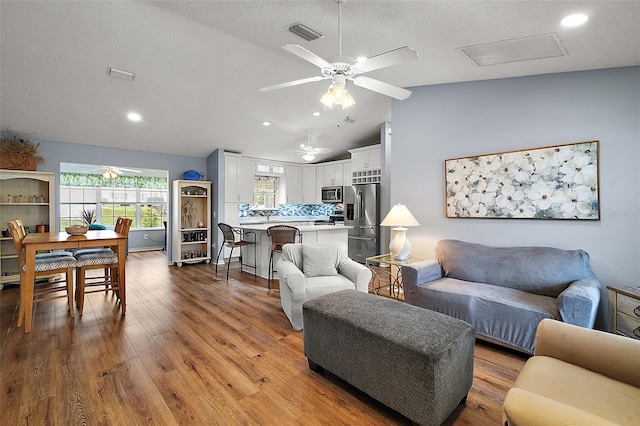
(199, 64)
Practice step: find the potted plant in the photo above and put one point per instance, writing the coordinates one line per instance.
(17, 152)
(88, 217)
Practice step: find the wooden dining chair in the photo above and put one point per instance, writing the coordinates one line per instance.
(280, 235)
(46, 265)
(101, 258)
(229, 234)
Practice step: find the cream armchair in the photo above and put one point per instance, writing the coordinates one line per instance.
(577, 376)
(310, 270)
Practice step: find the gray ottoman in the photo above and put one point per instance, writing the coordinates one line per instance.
(413, 360)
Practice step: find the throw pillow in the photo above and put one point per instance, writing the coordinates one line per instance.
(319, 260)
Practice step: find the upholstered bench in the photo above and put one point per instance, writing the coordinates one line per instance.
(413, 360)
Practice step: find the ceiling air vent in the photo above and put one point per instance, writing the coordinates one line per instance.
(304, 32)
(349, 119)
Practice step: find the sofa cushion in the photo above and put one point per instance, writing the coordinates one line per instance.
(320, 259)
(503, 315)
(319, 286)
(540, 270)
(580, 388)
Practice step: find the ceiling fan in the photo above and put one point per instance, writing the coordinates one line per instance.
(308, 152)
(340, 69)
(112, 172)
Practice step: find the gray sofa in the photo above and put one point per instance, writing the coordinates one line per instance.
(504, 292)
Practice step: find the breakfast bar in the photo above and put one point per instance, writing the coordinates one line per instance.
(310, 234)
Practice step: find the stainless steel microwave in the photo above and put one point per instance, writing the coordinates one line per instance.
(332, 194)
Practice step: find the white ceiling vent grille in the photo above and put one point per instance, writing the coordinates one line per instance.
(516, 50)
(349, 119)
(304, 32)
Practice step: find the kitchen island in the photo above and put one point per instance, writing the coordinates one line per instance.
(310, 234)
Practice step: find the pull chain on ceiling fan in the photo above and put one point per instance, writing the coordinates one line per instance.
(341, 69)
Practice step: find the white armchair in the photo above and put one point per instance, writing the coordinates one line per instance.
(309, 270)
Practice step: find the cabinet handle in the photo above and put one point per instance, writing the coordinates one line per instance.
(238, 197)
(636, 332)
(637, 311)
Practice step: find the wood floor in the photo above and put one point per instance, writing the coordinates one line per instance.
(193, 349)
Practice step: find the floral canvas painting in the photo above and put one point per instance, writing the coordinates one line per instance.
(557, 182)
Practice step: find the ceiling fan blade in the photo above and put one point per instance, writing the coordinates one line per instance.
(119, 169)
(382, 87)
(292, 83)
(100, 169)
(308, 56)
(320, 151)
(383, 60)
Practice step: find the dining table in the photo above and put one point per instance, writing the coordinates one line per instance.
(35, 242)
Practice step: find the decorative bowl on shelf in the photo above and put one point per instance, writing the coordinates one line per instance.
(76, 230)
(191, 175)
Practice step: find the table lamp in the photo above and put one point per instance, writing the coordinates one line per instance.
(400, 217)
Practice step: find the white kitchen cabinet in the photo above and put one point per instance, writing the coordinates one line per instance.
(319, 181)
(333, 174)
(191, 222)
(366, 164)
(30, 197)
(293, 185)
(347, 174)
(310, 193)
(238, 176)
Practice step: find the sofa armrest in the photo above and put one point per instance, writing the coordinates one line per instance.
(579, 302)
(522, 407)
(419, 273)
(609, 354)
(292, 277)
(359, 274)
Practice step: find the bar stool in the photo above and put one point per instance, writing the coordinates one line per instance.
(280, 235)
(229, 235)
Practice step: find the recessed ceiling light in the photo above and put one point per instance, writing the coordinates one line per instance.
(574, 20)
(317, 113)
(266, 123)
(134, 117)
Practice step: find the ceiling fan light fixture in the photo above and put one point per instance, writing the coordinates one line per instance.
(348, 100)
(327, 98)
(110, 174)
(308, 157)
(338, 95)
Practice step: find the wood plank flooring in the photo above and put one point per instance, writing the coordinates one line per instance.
(193, 349)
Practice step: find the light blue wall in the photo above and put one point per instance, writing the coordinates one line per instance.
(55, 153)
(465, 119)
(215, 169)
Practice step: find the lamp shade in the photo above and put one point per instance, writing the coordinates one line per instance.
(338, 93)
(399, 215)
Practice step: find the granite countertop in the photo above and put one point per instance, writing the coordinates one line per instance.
(274, 220)
(302, 228)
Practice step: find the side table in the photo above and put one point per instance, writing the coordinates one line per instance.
(624, 311)
(387, 274)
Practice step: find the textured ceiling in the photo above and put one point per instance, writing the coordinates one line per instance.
(199, 65)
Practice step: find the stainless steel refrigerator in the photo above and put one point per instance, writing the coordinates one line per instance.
(362, 211)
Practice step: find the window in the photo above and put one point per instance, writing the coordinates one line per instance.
(265, 189)
(142, 198)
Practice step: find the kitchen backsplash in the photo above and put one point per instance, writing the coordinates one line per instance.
(289, 210)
